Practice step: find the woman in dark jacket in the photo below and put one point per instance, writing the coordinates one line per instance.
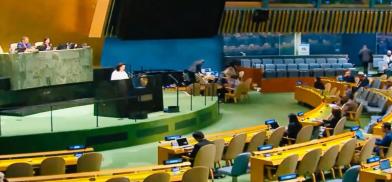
(293, 127)
(319, 84)
(333, 120)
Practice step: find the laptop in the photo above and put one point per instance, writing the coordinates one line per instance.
(183, 143)
(385, 166)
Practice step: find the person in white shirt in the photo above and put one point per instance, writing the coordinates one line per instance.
(119, 73)
(388, 58)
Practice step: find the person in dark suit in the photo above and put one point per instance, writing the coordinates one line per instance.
(386, 141)
(333, 119)
(46, 44)
(347, 77)
(293, 127)
(366, 56)
(319, 84)
(363, 82)
(201, 141)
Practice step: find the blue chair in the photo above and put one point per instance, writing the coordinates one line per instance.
(288, 61)
(342, 60)
(351, 175)
(278, 61)
(267, 61)
(303, 70)
(269, 71)
(281, 70)
(256, 63)
(321, 60)
(246, 63)
(292, 70)
(318, 72)
(347, 65)
(332, 60)
(299, 61)
(313, 66)
(240, 167)
(310, 60)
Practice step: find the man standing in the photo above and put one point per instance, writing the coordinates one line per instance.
(365, 56)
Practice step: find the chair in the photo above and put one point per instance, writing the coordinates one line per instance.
(380, 105)
(356, 115)
(196, 174)
(310, 60)
(333, 91)
(287, 166)
(332, 60)
(118, 179)
(205, 157)
(351, 175)
(20, 169)
(292, 70)
(342, 60)
(235, 147)
(321, 60)
(194, 89)
(327, 88)
(211, 89)
(276, 137)
(281, 70)
(248, 83)
(236, 95)
(339, 128)
(220, 146)
(38, 44)
(256, 141)
(365, 152)
(52, 165)
(240, 167)
(308, 164)
(13, 47)
(158, 177)
(289, 61)
(304, 135)
(246, 63)
(299, 61)
(376, 83)
(345, 155)
(303, 70)
(327, 161)
(89, 162)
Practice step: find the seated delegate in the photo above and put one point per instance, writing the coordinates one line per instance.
(386, 141)
(201, 141)
(318, 84)
(24, 45)
(332, 120)
(293, 127)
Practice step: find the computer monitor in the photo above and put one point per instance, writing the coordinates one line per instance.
(385, 164)
(182, 141)
(272, 123)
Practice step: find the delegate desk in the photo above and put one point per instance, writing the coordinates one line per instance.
(38, 69)
(134, 174)
(35, 159)
(259, 161)
(371, 173)
(341, 86)
(377, 129)
(167, 151)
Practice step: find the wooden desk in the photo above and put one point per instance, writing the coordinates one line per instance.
(369, 174)
(134, 174)
(259, 161)
(35, 159)
(308, 95)
(166, 151)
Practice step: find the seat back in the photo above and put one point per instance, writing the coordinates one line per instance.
(52, 165)
(346, 152)
(305, 134)
(195, 89)
(236, 146)
(276, 137)
(389, 152)
(89, 162)
(211, 89)
(118, 179)
(376, 83)
(21, 169)
(339, 128)
(309, 162)
(158, 177)
(13, 47)
(196, 174)
(241, 163)
(333, 91)
(288, 165)
(248, 83)
(256, 141)
(358, 112)
(327, 88)
(205, 156)
(351, 174)
(241, 88)
(327, 161)
(367, 149)
(219, 148)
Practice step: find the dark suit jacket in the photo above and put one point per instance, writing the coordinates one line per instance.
(349, 79)
(197, 147)
(331, 123)
(363, 83)
(386, 141)
(293, 129)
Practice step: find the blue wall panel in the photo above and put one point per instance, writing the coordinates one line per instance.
(163, 54)
(352, 43)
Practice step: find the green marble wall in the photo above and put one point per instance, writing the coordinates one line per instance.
(30, 70)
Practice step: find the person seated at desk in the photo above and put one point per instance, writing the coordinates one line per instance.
(201, 141)
(332, 120)
(318, 84)
(348, 104)
(46, 46)
(363, 82)
(386, 141)
(119, 73)
(24, 45)
(293, 127)
(347, 77)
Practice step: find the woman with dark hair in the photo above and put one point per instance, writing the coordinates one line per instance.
(119, 73)
(333, 119)
(46, 44)
(319, 84)
(293, 127)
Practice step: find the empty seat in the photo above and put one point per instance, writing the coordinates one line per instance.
(52, 165)
(342, 60)
(303, 70)
(235, 147)
(288, 61)
(336, 65)
(246, 63)
(325, 66)
(347, 65)
(269, 71)
(332, 60)
(292, 70)
(161, 177)
(329, 72)
(19, 170)
(278, 61)
(310, 60)
(256, 63)
(321, 60)
(376, 83)
(281, 70)
(267, 61)
(240, 167)
(196, 174)
(313, 66)
(299, 61)
(376, 106)
(318, 72)
(89, 162)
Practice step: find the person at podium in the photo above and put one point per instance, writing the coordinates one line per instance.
(119, 73)
(24, 45)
